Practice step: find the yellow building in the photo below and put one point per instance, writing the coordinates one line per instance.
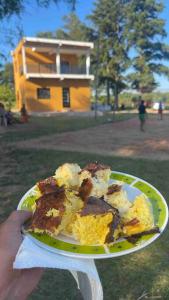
(52, 75)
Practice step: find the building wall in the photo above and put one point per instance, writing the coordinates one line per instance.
(79, 95)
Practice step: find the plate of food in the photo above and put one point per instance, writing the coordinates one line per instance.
(93, 212)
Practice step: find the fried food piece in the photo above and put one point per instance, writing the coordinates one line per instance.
(47, 185)
(85, 189)
(114, 188)
(93, 168)
(49, 212)
(55, 211)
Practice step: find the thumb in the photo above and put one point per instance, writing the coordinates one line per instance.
(19, 217)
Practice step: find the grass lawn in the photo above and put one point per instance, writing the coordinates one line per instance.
(123, 278)
(40, 126)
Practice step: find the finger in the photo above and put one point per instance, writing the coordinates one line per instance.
(20, 216)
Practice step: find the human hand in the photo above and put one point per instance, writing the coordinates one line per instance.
(15, 284)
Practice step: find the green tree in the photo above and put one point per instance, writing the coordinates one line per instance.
(45, 34)
(6, 75)
(8, 8)
(146, 30)
(7, 95)
(109, 19)
(73, 28)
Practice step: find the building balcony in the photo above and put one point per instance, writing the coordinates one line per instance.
(50, 71)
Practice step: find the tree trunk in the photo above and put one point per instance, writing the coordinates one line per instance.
(108, 91)
(116, 97)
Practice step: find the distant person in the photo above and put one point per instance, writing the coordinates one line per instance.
(142, 115)
(3, 119)
(9, 117)
(122, 106)
(160, 110)
(24, 114)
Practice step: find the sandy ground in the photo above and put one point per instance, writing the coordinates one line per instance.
(120, 139)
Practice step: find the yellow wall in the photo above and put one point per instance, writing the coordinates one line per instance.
(26, 89)
(79, 95)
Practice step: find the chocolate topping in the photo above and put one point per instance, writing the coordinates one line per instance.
(46, 202)
(112, 227)
(94, 167)
(85, 189)
(135, 237)
(114, 188)
(96, 206)
(47, 185)
(132, 222)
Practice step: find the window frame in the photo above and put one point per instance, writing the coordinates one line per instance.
(43, 97)
(66, 104)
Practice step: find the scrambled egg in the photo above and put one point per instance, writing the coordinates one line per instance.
(92, 230)
(140, 210)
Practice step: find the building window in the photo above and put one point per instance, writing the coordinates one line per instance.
(65, 67)
(43, 93)
(66, 97)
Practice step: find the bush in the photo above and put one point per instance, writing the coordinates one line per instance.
(7, 96)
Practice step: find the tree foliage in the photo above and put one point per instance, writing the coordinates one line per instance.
(7, 95)
(6, 75)
(73, 29)
(109, 19)
(10, 7)
(145, 33)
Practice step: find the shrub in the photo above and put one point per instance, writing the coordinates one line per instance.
(7, 96)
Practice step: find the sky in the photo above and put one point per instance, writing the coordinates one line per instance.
(37, 19)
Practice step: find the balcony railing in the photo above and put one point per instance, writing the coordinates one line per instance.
(41, 68)
(51, 69)
(80, 70)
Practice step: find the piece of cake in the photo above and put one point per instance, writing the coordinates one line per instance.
(117, 197)
(139, 217)
(49, 212)
(96, 170)
(47, 185)
(54, 212)
(96, 223)
(68, 175)
(97, 177)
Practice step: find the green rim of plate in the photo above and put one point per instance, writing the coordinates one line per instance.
(122, 177)
(159, 212)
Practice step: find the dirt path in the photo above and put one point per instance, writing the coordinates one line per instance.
(120, 139)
